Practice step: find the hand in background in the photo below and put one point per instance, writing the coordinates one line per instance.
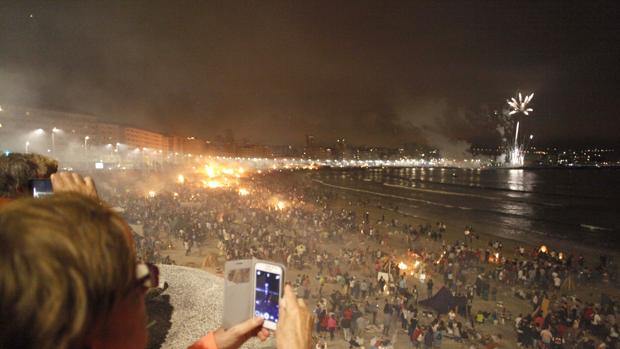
(235, 336)
(73, 182)
(294, 329)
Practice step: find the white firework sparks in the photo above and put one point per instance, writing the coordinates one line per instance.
(520, 105)
(516, 152)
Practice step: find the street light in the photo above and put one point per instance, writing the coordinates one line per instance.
(54, 131)
(86, 142)
(33, 134)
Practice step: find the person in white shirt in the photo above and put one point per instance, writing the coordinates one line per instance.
(557, 282)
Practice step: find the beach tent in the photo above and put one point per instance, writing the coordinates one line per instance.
(386, 277)
(443, 301)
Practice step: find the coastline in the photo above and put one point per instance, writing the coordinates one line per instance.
(510, 243)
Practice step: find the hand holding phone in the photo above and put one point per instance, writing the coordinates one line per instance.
(73, 182)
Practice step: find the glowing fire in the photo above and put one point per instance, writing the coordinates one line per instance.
(280, 205)
(181, 179)
(152, 193)
(210, 171)
(402, 266)
(543, 249)
(243, 192)
(214, 184)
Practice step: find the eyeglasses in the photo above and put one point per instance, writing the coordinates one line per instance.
(147, 275)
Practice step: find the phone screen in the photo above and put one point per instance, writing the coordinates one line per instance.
(41, 187)
(267, 296)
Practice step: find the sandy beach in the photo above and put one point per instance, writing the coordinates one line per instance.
(384, 209)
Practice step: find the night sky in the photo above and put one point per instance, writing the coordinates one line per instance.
(377, 73)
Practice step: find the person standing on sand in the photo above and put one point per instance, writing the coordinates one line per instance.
(364, 288)
(331, 326)
(372, 309)
(387, 318)
(345, 324)
(429, 288)
(428, 338)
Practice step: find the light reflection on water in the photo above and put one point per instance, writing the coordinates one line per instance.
(516, 182)
(508, 201)
(515, 179)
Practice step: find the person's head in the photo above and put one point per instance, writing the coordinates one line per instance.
(68, 276)
(17, 169)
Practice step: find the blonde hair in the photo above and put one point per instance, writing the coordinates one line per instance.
(65, 261)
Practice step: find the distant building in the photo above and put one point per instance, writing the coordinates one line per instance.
(139, 138)
(253, 151)
(106, 133)
(189, 145)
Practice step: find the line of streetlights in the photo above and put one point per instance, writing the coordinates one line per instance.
(55, 130)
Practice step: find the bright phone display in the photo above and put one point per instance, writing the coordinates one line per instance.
(40, 187)
(268, 286)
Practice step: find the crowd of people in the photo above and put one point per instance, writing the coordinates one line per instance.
(338, 251)
(313, 236)
(371, 279)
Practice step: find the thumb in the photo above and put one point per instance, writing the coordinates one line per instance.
(235, 336)
(247, 327)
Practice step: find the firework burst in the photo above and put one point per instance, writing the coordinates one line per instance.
(519, 105)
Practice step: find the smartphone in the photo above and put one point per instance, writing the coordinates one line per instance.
(267, 290)
(40, 187)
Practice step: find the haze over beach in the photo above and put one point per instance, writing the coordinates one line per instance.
(431, 174)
